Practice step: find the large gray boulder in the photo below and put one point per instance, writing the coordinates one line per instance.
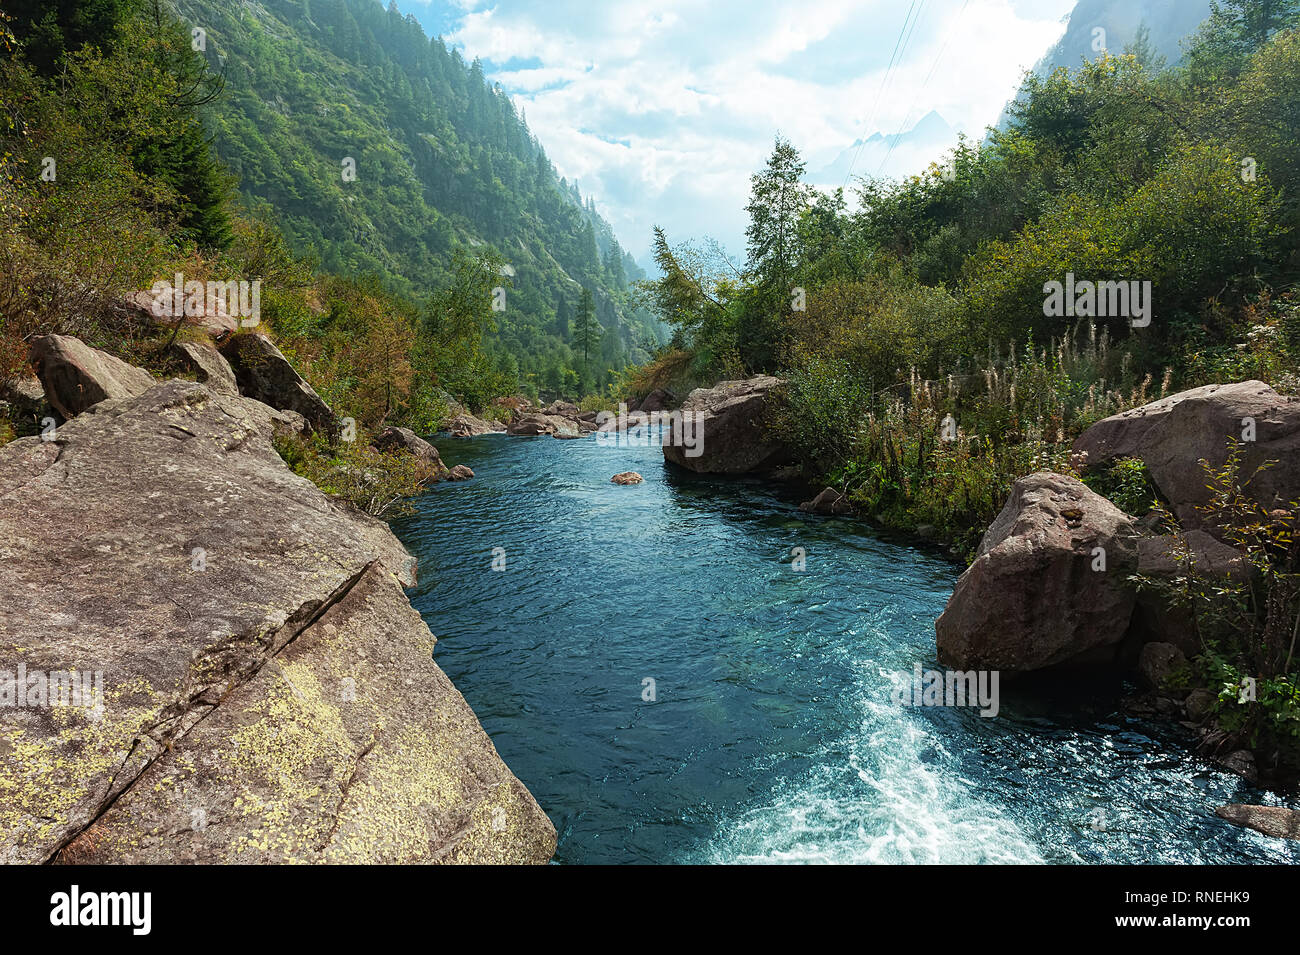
(1173, 435)
(731, 427)
(536, 423)
(214, 323)
(404, 439)
(268, 693)
(661, 399)
(207, 365)
(265, 374)
(1049, 585)
(76, 376)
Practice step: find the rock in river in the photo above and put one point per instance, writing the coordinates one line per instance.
(1049, 585)
(730, 426)
(1276, 821)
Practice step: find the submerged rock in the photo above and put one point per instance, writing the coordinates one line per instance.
(731, 428)
(626, 477)
(76, 376)
(829, 501)
(1049, 584)
(460, 472)
(265, 691)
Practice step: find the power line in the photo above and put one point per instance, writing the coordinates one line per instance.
(884, 80)
(929, 76)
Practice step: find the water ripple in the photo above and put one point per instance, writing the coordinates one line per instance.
(774, 735)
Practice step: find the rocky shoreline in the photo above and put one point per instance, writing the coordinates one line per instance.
(258, 687)
(1053, 586)
(266, 679)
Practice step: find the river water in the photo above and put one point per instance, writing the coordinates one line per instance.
(770, 732)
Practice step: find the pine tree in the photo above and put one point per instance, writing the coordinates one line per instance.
(586, 328)
(49, 30)
(777, 199)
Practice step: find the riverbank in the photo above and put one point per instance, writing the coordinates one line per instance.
(262, 690)
(1064, 579)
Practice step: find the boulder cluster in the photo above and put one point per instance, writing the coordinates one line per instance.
(249, 682)
(1050, 584)
(1053, 585)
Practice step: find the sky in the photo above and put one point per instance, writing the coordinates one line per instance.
(662, 111)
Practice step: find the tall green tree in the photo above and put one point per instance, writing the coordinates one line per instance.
(50, 29)
(1217, 53)
(586, 330)
(777, 200)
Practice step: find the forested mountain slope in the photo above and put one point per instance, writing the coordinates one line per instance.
(319, 89)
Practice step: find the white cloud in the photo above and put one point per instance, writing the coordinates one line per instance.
(662, 114)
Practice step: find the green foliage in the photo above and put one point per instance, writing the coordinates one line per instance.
(820, 410)
(51, 30)
(586, 331)
(911, 468)
(1271, 720)
(377, 482)
(77, 233)
(777, 203)
(1118, 170)
(1127, 485)
(1194, 225)
(443, 164)
(1248, 625)
(1233, 31)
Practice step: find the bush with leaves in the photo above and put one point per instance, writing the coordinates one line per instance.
(1126, 484)
(1248, 627)
(378, 482)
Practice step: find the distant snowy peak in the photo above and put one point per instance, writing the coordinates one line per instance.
(888, 154)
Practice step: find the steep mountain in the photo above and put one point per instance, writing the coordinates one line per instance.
(382, 151)
(1165, 23)
(1168, 22)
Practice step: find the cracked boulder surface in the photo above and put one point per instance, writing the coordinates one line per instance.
(269, 694)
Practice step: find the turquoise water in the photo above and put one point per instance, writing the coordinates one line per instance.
(773, 735)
